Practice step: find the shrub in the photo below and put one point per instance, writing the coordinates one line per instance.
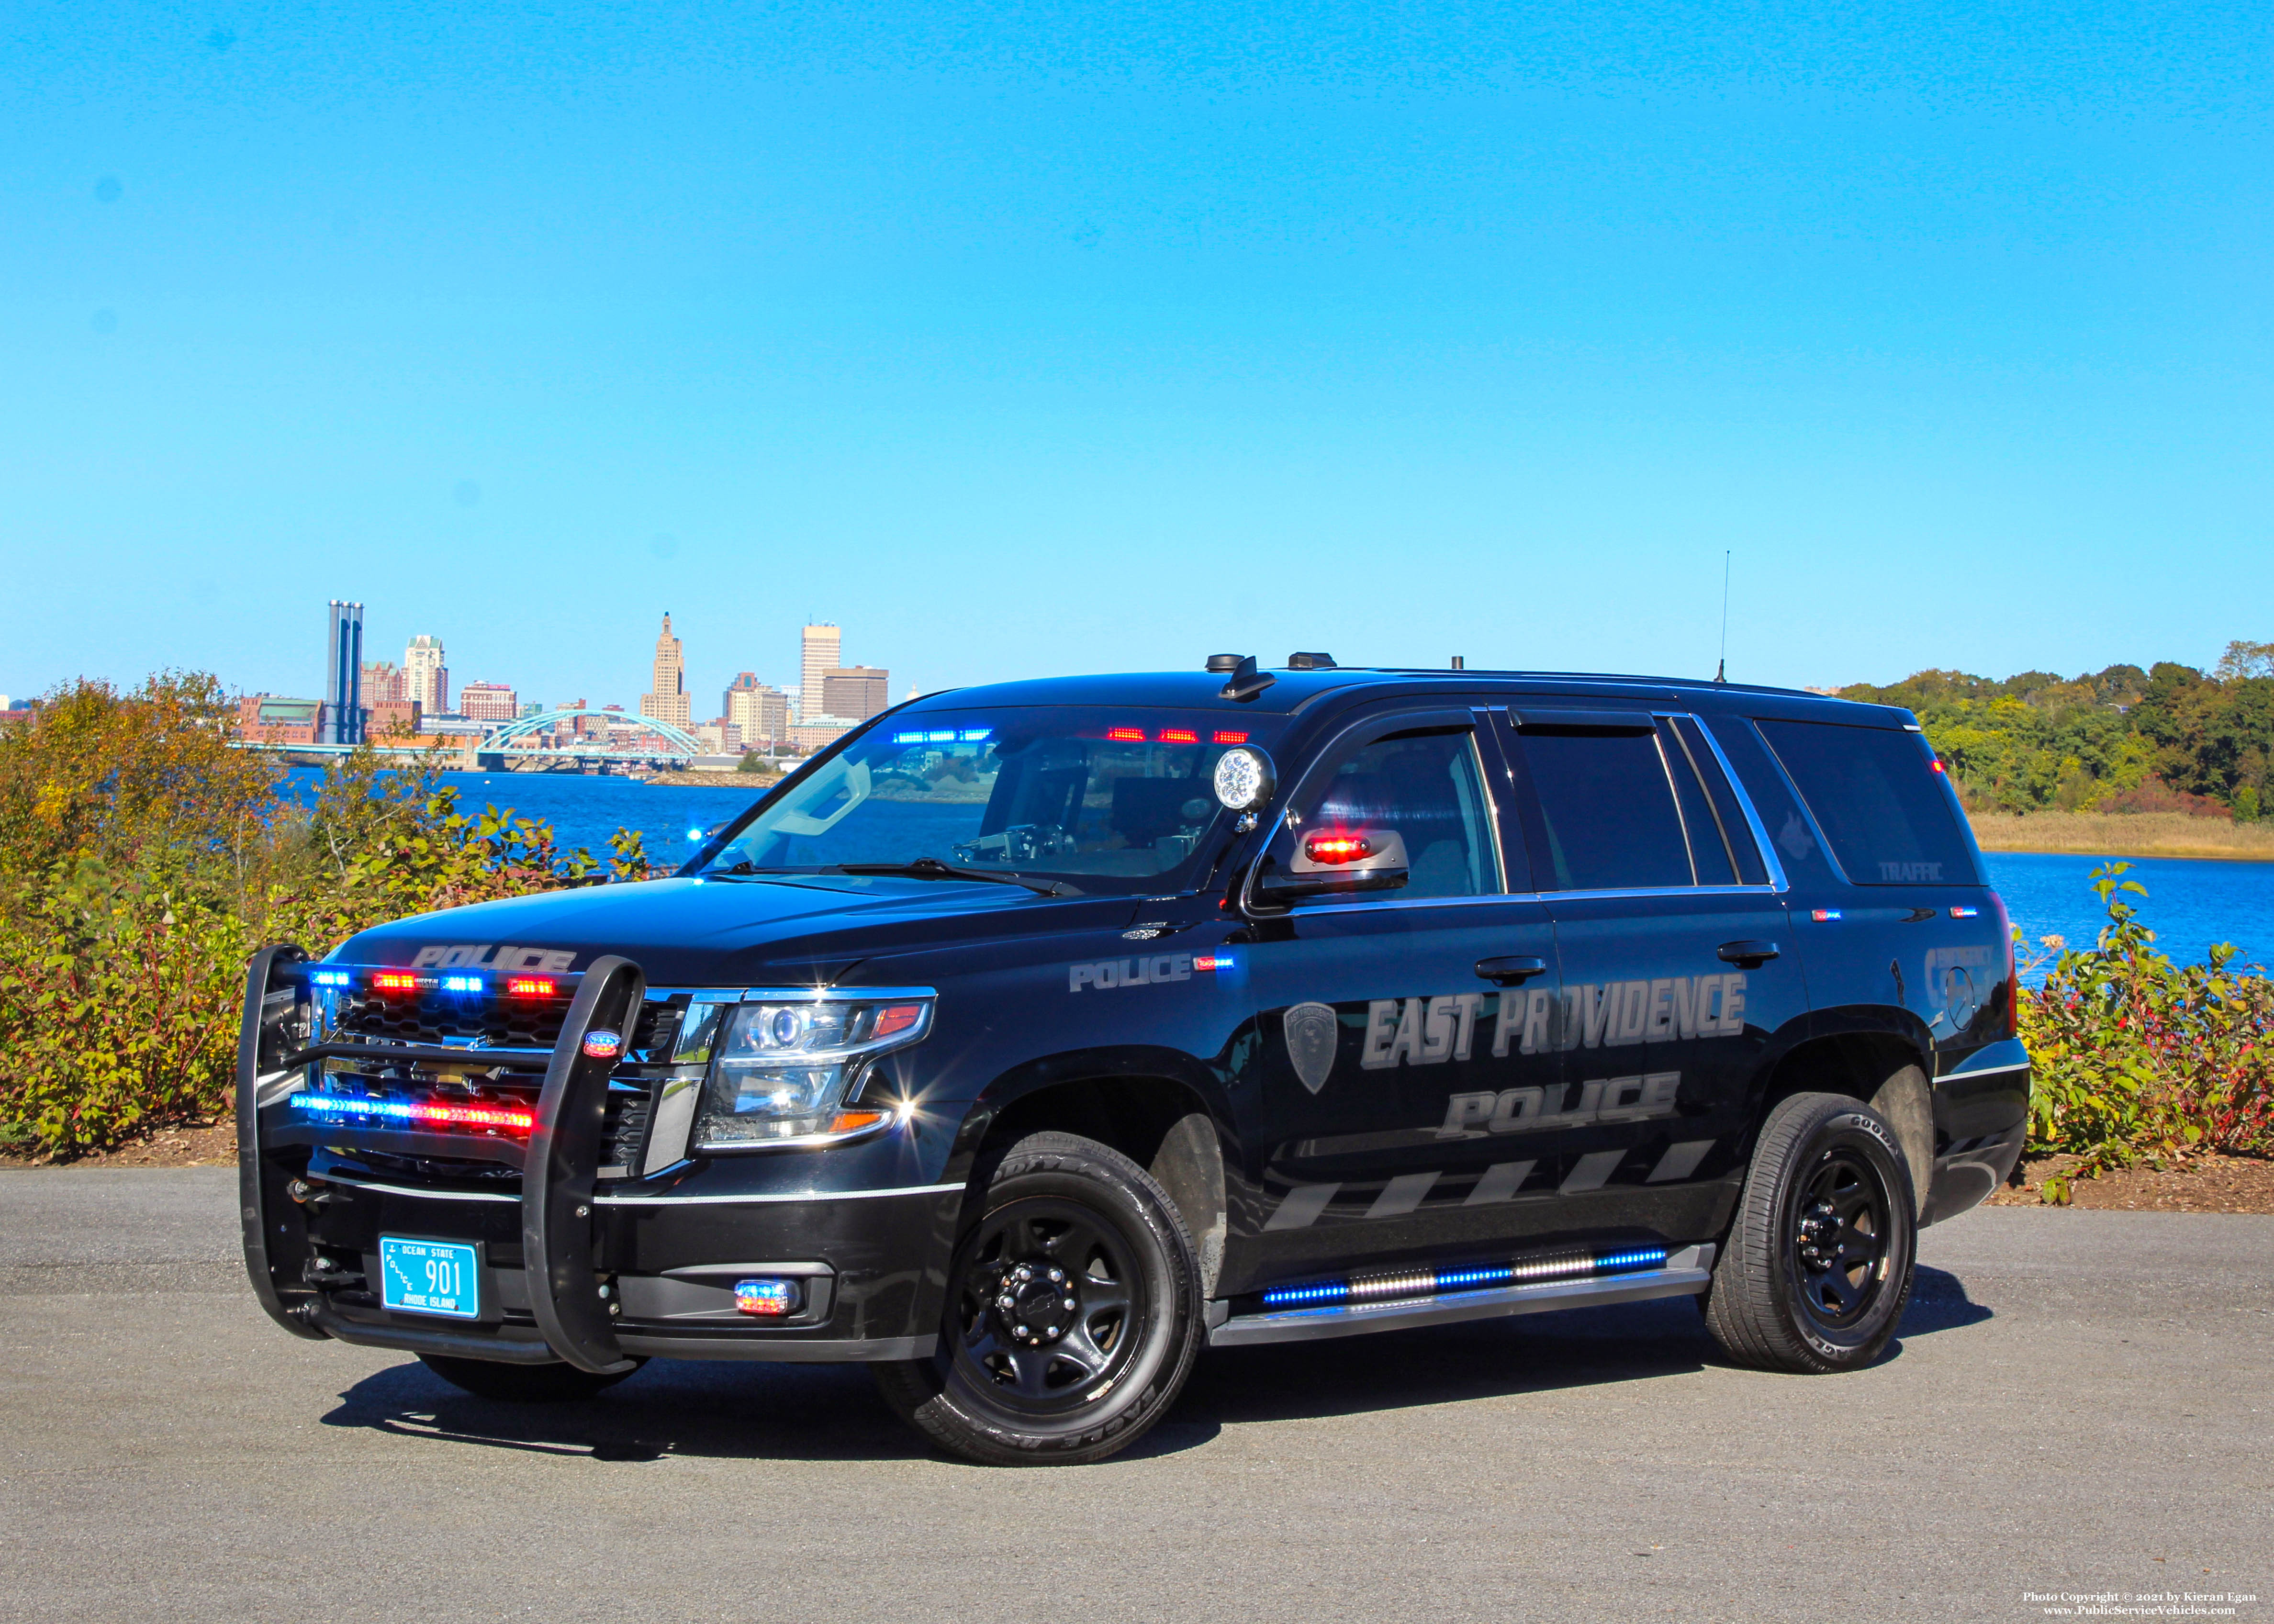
(2139, 1059)
(142, 858)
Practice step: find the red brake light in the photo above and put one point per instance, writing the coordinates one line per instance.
(394, 981)
(1223, 738)
(528, 987)
(1337, 848)
(1127, 735)
(1178, 736)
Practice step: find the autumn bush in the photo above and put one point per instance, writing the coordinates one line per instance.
(2139, 1059)
(143, 857)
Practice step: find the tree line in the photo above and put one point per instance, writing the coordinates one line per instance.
(2170, 738)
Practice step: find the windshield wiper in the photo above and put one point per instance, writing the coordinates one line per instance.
(932, 868)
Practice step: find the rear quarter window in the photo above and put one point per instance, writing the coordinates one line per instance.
(1887, 815)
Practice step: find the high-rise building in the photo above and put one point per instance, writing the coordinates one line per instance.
(489, 702)
(342, 719)
(821, 649)
(384, 682)
(669, 702)
(855, 692)
(426, 669)
(759, 711)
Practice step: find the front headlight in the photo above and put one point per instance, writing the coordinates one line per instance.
(781, 1069)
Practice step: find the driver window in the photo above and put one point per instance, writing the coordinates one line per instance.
(1427, 790)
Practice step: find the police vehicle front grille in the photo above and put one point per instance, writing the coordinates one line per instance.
(432, 1017)
(623, 1129)
(438, 1018)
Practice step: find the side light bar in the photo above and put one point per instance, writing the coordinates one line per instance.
(415, 1112)
(1468, 1277)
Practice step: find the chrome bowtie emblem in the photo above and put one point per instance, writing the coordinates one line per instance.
(1313, 1034)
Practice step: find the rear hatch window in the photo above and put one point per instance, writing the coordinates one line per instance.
(1884, 810)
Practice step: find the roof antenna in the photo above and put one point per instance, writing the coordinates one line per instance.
(1721, 671)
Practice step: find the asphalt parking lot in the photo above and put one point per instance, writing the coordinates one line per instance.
(2080, 1403)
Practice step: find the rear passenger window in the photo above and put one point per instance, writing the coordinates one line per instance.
(1736, 833)
(1887, 814)
(1608, 806)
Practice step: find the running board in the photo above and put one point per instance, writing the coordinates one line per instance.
(1685, 1274)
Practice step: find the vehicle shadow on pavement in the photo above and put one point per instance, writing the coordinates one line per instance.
(678, 1407)
(1495, 1358)
(821, 1412)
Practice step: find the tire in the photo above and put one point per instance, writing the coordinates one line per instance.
(1021, 1379)
(1818, 1267)
(521, 1384)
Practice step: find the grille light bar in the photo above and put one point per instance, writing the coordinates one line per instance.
(409, 1111)
(1470, 1278)
(330, 978)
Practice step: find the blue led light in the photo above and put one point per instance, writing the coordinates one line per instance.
(1325, 1291)
(1640, 1258)
(461, 984)
(908, 738)
(1457, 1280)
(945, 735)
(328, 977)
(974, 735)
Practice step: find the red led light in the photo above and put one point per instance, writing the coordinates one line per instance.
(1936, 765)
(1223, 738)
(394, 981)
(1338, 848)
(528, 987)
(1178, 736)
(474, 1117)
(1127, 735)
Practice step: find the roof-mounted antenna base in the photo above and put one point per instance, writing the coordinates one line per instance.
(1244, 680)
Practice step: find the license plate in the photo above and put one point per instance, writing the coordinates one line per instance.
(430, 1277)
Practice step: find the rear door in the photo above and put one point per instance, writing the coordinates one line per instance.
(1681, 978)
(1393, 1025)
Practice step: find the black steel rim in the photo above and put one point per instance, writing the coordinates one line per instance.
(1049, 1307)
(1837, 1248)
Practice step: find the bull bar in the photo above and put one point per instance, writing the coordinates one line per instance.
(560, 1168)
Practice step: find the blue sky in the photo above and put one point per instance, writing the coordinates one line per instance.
(1021, 338)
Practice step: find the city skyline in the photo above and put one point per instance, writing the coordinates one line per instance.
(372, 698)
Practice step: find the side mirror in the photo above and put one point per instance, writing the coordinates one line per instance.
(1330, 863)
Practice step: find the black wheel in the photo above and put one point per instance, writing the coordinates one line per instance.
(1819, 1263)
(1073, 1313)
(521, 1384)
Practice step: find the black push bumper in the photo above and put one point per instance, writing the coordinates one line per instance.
(594, 1279)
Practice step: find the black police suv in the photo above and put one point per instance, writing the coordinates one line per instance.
(1035, 1035)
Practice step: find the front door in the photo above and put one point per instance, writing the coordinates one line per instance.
(1393, 1035)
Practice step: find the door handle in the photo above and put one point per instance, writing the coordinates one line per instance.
(1509, 972)
(1746, 955)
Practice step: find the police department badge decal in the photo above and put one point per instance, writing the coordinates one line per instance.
(1313, 1036)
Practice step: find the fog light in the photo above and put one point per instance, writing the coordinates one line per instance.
(769, 1299)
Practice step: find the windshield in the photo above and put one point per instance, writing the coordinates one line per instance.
(1119, 800)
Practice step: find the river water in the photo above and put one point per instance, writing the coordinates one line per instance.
(2191, 902)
